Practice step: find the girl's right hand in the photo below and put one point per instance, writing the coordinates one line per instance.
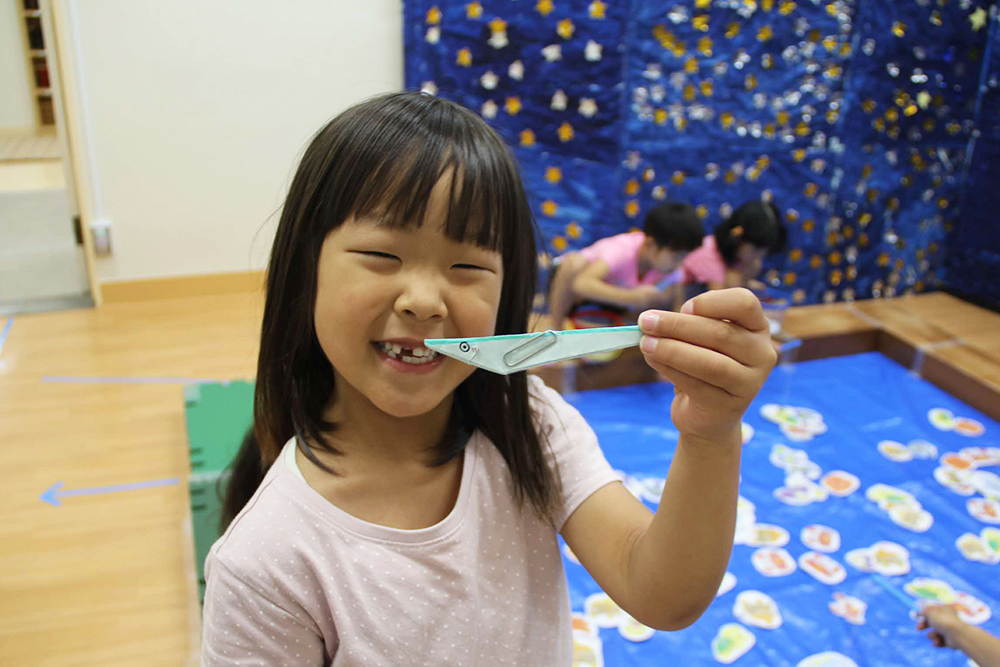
(944, 624)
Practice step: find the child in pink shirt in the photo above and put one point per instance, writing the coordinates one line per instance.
(630, 271)
(395, 506)
(732, 255)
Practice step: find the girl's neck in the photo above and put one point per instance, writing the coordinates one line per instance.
(365, 434)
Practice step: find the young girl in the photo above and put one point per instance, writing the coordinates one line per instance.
(627, 270)
(399, 507)
(732, 255)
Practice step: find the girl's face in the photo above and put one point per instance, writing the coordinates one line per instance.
(750, 258)
(381, 291)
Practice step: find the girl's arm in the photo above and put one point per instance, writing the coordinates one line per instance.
(590, 285)
(665, 569)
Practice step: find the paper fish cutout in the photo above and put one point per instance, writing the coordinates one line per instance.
(957, 461)
(840, 483)
(793, 460)
(921, 449)
(982, 457)
(757, 609)
(970, 428)
(731, 643)
(823, 568)
(797, 424)
(912, 518)
(604, 611)
(827, 659)
(954, 479)
(945, 420)
(983, 548)
(886, 558)
(849, 608)
(886, 496)
(518, 352)
(773, 562)
(987, 483)
(634, 631)
(895, 451)
(767, 535)
(986, 510)
(728, 583)
(931, 590)
(588, 651)
(820, 538)
(972, 610)
(652, 488)
(941, 419)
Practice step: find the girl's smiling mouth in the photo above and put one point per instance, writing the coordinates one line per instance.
(407, 355)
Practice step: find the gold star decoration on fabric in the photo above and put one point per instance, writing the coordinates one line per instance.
(497, 25)
(597, 9)
(553, 174)
(565, 28)
(473, 10)
(549, 208)
(573, 230)
(527, 138)
(464, 57)
(512, 105)
(565, 132)
(434, 15)
(978, 19)
(632, 208)
(544, 7)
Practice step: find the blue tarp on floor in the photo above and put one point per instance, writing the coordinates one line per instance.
(863, 400)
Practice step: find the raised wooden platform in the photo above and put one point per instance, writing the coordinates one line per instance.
(947, 341)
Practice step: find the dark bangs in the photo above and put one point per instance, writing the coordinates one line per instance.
(380, 160)
(385, 157)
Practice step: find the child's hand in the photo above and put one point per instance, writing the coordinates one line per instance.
(944, 624)
(646, 296)
(717, 352)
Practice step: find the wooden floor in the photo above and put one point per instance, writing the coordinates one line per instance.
(105, 580)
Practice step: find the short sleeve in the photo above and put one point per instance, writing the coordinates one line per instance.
(240, 626)
(704, 265)
(575, 453)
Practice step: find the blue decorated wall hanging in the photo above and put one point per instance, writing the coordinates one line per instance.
(858, 118)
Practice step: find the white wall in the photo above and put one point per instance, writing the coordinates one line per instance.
(16, 108)
(198, 111)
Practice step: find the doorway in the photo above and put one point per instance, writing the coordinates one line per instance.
(43, 260)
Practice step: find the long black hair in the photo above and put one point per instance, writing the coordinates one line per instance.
(383, 157)
(758, 223)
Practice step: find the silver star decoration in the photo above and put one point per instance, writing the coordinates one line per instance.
(552, 52)
(592, 51)
(587, 108)
(489, 80)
